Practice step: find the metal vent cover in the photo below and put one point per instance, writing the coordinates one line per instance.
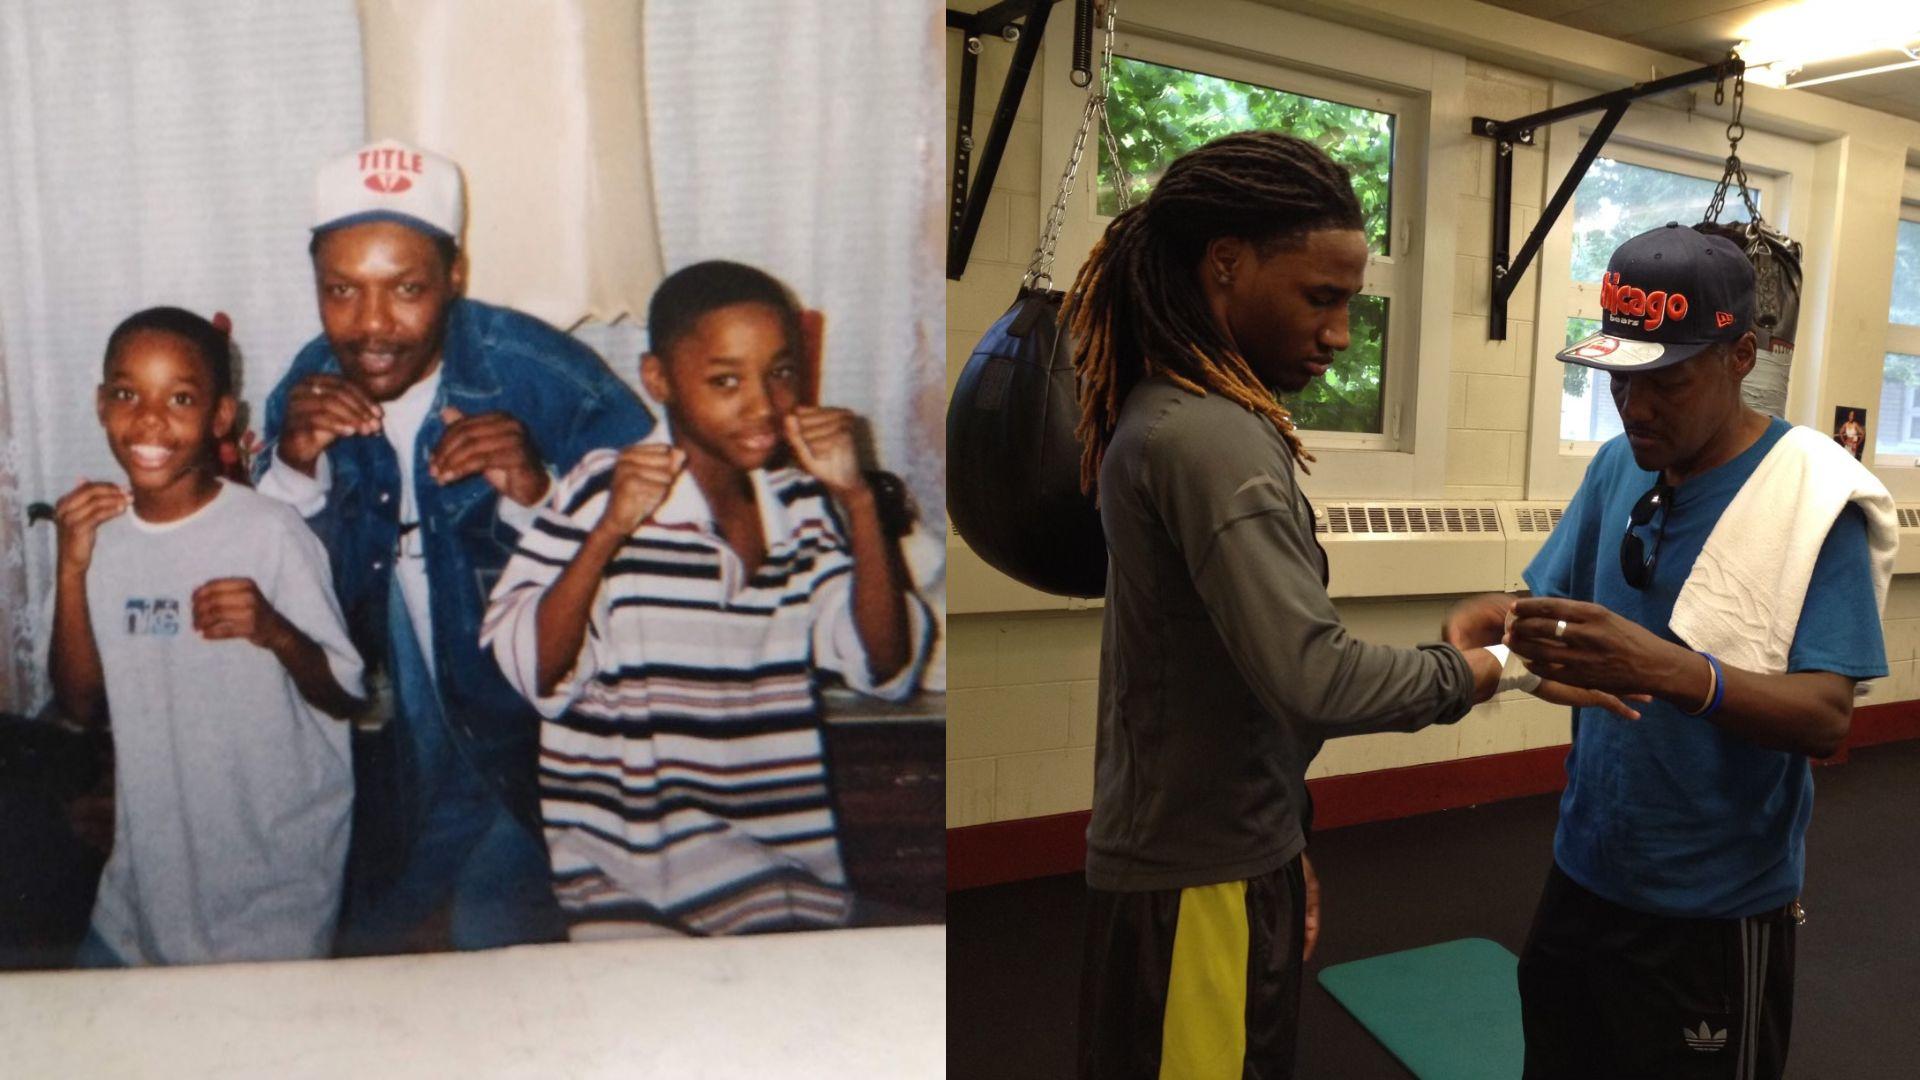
(1909, 517)
(1537, 519)
(1388, 519)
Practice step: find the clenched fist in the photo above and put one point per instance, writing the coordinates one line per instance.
(320, 410)
(227, 608)
(78, 517)
(641, 478)
(822, 441)
(496, 446)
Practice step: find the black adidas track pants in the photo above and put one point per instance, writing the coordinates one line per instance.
(1613, 994)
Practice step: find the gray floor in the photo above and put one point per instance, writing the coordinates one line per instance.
(1013, 950)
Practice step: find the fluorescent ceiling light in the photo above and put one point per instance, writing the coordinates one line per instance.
(1780, 43)
(1798, 83)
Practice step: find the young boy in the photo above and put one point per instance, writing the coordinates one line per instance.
(667, 612)
(204, 624)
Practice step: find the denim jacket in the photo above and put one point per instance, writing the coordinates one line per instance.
(492, 360)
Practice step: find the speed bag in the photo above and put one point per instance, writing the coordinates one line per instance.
(1013, 461)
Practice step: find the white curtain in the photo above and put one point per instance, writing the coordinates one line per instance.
(17, 663)
(542, 103)
(151, 152)
(803, 136)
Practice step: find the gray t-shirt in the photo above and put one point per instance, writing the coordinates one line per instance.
(1224, 665)
(232, 793)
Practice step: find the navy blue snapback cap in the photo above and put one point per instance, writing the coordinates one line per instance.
(1668, 294)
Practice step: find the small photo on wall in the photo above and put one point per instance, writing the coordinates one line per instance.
(1850, 428)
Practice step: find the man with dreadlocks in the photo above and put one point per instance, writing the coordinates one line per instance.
(1224, 665)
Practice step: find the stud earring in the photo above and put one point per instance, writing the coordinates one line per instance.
(1225, 278)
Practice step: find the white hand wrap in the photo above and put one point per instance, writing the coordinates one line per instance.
(1513, 671)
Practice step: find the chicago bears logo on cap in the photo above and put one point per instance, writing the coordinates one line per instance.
(1651, 286)
(1655, 307)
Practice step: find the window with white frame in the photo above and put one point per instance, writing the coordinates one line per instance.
(1659, 165)
(1620, 197)
(1189, 72)
(1897, 439)
(1168, 99)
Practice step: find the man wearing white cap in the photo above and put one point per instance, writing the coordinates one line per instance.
(417, 434)
(1726, 564)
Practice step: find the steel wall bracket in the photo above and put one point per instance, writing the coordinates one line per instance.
(1506, 134)
(968, 204)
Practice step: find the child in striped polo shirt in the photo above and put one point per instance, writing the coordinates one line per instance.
(667, 613)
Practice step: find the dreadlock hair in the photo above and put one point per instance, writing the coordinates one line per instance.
(1137, 309)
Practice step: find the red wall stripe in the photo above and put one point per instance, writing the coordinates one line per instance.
(1004, 851)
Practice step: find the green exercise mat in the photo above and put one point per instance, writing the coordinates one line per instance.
(1449, 1011)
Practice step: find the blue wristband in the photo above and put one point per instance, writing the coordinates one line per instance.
(1719, 688)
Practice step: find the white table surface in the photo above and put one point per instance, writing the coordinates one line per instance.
(845, 1003)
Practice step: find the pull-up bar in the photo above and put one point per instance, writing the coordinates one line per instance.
(1505, 133)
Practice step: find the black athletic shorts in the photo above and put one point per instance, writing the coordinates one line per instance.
(1610, 993)
(1201, 983)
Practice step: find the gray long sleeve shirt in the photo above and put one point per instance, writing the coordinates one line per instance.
(1224, 665)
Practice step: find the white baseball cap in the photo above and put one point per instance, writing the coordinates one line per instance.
(391, 181)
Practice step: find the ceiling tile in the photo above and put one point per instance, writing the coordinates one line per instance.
(1543, 9)
(1704, 36)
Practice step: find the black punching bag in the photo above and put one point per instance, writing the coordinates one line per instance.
(1013, 461)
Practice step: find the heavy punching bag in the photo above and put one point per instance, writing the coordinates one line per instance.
(1776, 316)
(1776, 274)
(1013, 460)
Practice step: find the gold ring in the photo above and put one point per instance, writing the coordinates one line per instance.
(1559, 629)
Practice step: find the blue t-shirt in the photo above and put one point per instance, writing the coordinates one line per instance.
(1669, 814)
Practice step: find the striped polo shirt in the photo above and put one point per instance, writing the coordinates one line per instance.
(681, 773)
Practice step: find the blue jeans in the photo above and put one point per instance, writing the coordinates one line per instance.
(472, 860)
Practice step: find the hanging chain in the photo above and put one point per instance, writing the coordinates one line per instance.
(1040, 268)
(1123, 182)
(1735, 171)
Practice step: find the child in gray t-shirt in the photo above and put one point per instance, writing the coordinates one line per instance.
(204, 623)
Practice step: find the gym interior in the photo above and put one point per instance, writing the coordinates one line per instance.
(1446, 450)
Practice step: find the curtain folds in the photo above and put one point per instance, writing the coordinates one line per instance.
(151, 152)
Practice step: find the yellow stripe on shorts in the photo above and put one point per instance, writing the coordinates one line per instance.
(1204, 1033)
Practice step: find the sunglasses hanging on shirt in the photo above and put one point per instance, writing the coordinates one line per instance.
(1636, 558)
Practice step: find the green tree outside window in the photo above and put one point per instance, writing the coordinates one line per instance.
(1573, 377)
(1617, 201)
(1159, 113)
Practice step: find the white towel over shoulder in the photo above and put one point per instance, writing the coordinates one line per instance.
(1743, 599)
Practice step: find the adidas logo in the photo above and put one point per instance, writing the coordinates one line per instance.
(1706, 1039)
